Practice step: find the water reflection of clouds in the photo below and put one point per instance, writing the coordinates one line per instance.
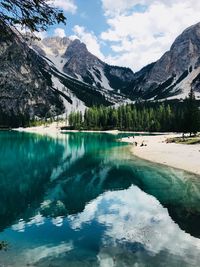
(21, 225)
(58, 221)
(35, 255)
(132, 220)
(131, 216)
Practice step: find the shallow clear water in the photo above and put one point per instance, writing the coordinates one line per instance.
(83, 200)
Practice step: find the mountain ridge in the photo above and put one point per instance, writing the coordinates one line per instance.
(173, 74)
(56, 75)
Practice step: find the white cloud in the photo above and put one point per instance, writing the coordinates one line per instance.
(59, 32)
(121, 6)
(89, 39)
(66, 5)
(142, 37)
(136, 217)
(41, 35)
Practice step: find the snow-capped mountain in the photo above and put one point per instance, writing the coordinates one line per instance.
(57, 75)
(173, 75)
(170, 77)
(81, 78)
(73, 58)
(25, 83)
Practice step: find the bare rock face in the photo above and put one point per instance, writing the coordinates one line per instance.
(56, 75)
(79, 60)
(173, 74)
(81, 64)
(73, 58)
(184, 53)
(51, 45)
(34, 85)
(25, 84)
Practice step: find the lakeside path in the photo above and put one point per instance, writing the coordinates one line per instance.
(181, 156)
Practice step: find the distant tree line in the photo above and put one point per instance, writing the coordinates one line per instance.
(147, 116)
(13, 119)
(178, 116)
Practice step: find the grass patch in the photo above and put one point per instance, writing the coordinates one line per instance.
(186, 140)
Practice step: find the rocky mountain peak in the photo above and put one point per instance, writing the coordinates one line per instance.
(191, 34)
(51, 46)
(183, 54)
(25, 84)
(174, 73)
(77, 46)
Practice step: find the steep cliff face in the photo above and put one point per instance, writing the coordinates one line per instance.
(83, 65)
(25, 84)
(79, 62)
(58, 75)
(174, 73)
(33, 83)
(74, 59)
(80, 77)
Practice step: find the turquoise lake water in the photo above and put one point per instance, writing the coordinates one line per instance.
(83, 200)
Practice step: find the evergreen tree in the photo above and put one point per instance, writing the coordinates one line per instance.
(191, 115)
(149, 116)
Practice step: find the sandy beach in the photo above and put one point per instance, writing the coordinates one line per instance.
(52, 129)
(181, 156)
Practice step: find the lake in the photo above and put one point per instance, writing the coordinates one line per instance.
(83, 200)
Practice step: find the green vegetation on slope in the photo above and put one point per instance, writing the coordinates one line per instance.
(147, 116)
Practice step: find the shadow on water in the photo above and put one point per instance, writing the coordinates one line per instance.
(78, 174)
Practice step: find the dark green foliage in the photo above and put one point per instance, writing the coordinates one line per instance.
(13, 120)
(154, 90)
(160, 91)
(115, 81)
(63, 95)
(196, 82)
(88, 78)
(97, 73)
(146, 116)
(35, 15)
(87, 93)
(166, 83)
(183, 76)
(191, 121)
(139, 78)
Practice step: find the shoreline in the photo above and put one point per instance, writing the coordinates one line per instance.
(55, 128)
(52, 130)
(179, 156)
(156, 150)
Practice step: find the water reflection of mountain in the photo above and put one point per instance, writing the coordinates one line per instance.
(55, 177)
(24, 173)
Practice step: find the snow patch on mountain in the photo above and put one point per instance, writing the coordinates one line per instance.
(76, 105)
(184, 86)
(104, 81)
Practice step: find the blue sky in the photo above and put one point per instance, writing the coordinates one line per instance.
(128, 33)
(89, 13)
